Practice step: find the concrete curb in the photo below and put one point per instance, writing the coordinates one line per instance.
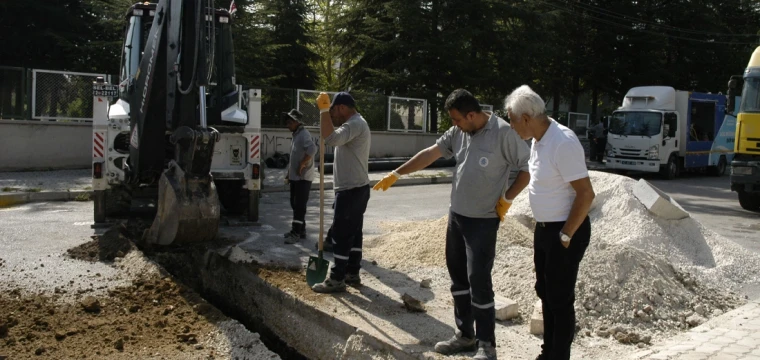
(399, 182)
(19, 198)
(12, 199)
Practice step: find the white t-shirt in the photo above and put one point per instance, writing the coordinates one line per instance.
(554, 162)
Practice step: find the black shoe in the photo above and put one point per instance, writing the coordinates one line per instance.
(353, 279)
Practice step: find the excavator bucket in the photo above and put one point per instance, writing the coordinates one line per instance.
(188, 209)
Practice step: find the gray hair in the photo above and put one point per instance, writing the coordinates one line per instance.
(524, 100)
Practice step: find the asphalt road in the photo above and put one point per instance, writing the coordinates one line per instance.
(28, 229)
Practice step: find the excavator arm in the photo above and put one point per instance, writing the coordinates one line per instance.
(170, 140)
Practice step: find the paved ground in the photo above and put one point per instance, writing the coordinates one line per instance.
(733, 336)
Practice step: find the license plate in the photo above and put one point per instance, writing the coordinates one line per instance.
(628, 162)
(105, 90)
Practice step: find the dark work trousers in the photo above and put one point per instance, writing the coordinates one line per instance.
(470, 251)
(299, 196)
(556, 273)
(600, 145)
(348, 222)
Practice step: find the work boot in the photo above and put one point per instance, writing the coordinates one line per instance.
(486, 351)
(456, 344)
(291, 238)
(353, 279)
(329, 286)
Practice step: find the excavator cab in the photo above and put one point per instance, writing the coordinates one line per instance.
(177, 79)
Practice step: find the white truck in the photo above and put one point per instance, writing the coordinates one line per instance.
(660, 129)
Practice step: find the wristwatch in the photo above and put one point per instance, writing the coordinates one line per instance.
(564, 237)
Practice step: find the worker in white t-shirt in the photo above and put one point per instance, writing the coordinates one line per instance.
(560, 194)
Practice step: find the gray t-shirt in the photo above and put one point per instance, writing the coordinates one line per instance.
(598, 130)
(301, 145)
(351, 165)
(484, 160)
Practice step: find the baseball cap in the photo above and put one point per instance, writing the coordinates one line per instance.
(343, 98)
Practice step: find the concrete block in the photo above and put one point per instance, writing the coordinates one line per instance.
(658, 202)
(505, 308)
(537, 320)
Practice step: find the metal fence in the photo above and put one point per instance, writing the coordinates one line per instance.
(62, 95)
(67, 96)
(13, 93)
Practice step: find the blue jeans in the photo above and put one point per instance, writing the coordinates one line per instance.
(470, 251)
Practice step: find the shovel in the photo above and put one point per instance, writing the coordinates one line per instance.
(316, 270)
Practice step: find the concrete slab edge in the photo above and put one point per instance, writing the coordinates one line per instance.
(12, 199)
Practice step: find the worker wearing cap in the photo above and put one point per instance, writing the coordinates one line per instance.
(486, 149)
(560, 194)
(300, 174)
(351, 140)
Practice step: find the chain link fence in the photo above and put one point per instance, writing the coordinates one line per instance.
(12, 93)
(407, 114)
(62, 96)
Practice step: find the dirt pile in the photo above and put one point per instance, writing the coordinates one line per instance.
(112, 244)
(641, 276)
(151, 316)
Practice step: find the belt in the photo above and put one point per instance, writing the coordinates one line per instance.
(548, 223)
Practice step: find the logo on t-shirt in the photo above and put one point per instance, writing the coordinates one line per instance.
(483, 161)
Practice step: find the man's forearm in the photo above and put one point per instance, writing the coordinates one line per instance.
(325, 125)
(305, 160)
(420, 161)
(522, 180)
(578, 212)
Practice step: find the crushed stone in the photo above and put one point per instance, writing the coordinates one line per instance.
(642, 277)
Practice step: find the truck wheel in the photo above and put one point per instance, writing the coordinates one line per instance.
(670, 170)
(720, 169)
(253, 205)
(232, 196)
(118, 201)
(749, 201)
(99, 206)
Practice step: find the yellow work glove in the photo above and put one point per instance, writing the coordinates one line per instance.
(323, 102)
(502, 206)
(387, 181)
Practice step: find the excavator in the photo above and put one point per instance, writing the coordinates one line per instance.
(179, 125)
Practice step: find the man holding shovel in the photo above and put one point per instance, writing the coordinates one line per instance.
(351, 140)
(486, 148)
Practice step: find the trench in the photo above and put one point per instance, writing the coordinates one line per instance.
(189, 266)
(286, 325)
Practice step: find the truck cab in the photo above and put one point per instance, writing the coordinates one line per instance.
(745, 168)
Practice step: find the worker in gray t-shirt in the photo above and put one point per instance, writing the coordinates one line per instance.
(351, 140)
(300, 174)
(485, 148)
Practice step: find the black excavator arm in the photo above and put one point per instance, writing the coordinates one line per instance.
(170, 140)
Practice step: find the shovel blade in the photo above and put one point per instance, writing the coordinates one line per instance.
(316, 270)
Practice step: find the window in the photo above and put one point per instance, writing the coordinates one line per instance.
(702, 126)
(671, 119)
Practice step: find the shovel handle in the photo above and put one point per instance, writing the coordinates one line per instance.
(321, 192)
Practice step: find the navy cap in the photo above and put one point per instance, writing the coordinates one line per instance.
(343, 98)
